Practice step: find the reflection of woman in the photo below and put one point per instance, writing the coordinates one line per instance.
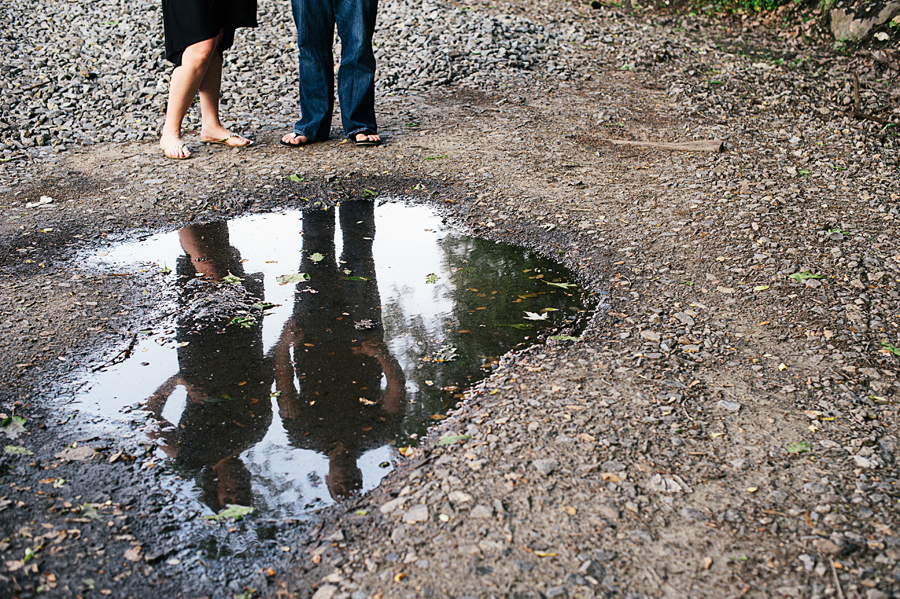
(337, 406)
(197, 33)
(226, 376)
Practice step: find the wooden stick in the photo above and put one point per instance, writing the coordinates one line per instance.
(712, 145)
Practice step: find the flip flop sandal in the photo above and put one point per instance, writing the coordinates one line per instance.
(224, 141)
(296, 145)
(365, 142)
(182, 148)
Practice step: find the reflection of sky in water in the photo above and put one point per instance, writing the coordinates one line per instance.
(410, 244)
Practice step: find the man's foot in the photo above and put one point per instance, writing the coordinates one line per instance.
(293, 140)
(367, 137)
(232, 140)
(173, 148)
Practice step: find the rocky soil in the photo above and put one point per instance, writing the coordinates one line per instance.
(725, 427)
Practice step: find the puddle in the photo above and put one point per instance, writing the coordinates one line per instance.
(301, 350)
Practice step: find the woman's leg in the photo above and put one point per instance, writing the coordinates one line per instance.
(185, 83)
(211, 128)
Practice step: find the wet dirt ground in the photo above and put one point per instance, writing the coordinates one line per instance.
(721, 429)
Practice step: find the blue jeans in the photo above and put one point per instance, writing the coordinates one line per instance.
(355, 20)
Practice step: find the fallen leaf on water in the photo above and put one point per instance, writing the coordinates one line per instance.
(296, 277)
(563, 285)
(316, 257)
(231, 511)
(535, 316)
(406, 451)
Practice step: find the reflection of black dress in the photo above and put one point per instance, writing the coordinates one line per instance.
(332, 378)
(226, 365)
(187, 22)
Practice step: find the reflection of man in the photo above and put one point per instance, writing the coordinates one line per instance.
(331, 398)
(225, 374)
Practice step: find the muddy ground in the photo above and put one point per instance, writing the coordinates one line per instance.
(721, 429)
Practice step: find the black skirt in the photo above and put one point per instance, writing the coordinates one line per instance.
(187, 22)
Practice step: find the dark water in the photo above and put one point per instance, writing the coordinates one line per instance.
(306, 396)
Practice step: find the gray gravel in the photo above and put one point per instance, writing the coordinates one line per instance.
(726, 427)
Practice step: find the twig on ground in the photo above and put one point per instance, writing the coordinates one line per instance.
(857, 112)
(837, 582)
(712, 145)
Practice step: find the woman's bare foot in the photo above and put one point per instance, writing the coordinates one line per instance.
(172, 147)
(292, 139)
(221, 135)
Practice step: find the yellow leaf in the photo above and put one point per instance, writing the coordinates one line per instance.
(752, 489)
(716, 435)
(760, 288)
(782, 367)
(544, 554)
(406, 451)
(400, 576)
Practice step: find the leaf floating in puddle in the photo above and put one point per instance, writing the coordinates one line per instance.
(447, 353)
(431, 278)
(364, 324)
(450, 440)
(245, 322)
(296, 277)
(536, 316)
(317, 257)
(263, 306)
(220, 399)
(232, 511)
(563, 285)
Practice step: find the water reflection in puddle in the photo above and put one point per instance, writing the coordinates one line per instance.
(304, 348)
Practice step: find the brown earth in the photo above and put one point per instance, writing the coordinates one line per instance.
(720, 430)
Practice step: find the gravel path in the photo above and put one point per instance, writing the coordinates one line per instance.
(726, 426)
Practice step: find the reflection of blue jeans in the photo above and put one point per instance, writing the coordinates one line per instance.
(315, 20)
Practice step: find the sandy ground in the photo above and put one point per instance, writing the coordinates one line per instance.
(720, 429)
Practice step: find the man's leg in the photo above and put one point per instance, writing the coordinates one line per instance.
(315, 39)
(356, 77)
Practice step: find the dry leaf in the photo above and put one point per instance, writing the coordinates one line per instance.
(133, 554)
